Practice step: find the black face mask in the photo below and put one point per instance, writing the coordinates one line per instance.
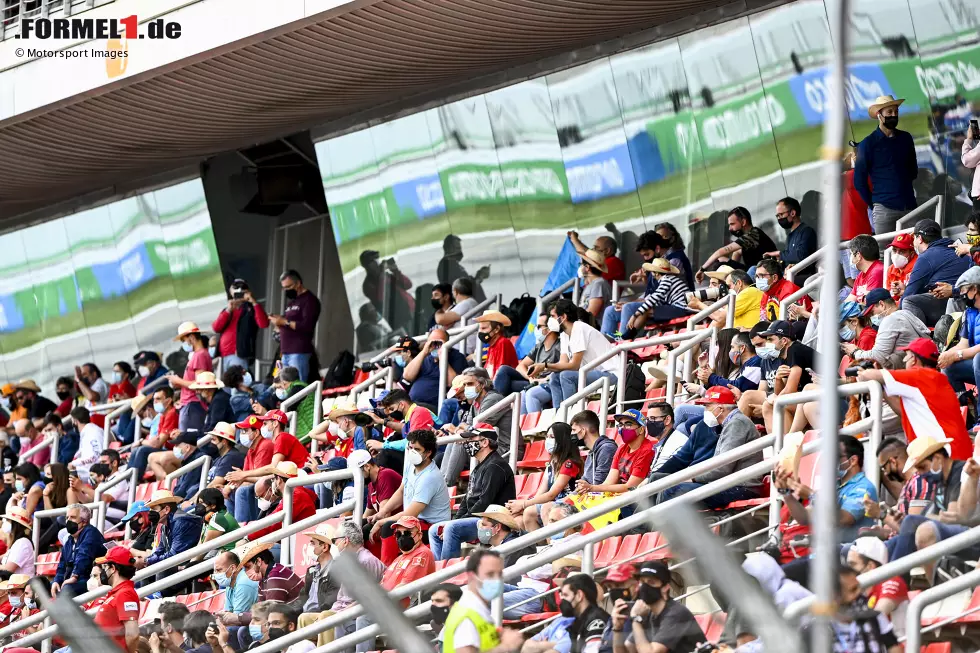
(47, 479)
(439, 614)
(396, 415)
(290, 294)
(566, 608)
(276, 633)
(649, 594)
(619, 593)
(891, 122)
(484, 337)
(64, 394)
(784, 223)
(436, 304)
(154, 517)
(735, 232)
(71, 527)
(200, 510)
(406, 542)
(656, 428)
(104, 577)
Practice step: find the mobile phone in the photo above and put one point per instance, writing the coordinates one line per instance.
(73, 474)
(930, 286)
(974, 126)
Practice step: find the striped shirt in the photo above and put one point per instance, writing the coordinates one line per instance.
(280, 584)
(921, 487)
(671, 290)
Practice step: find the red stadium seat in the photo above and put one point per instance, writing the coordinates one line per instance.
(145, 490)
(647, 545)
(531, 486)
(711, 625)
(530, 421)
(938, 647)
(457, 580)
(605, 554)
(47, 564)
(535, 456)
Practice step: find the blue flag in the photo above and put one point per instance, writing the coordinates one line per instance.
(565, 268)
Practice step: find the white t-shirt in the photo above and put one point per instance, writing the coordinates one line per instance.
(118, 492)
(466, 633)
(21, 552)
(461, 309)
(674, 441)
(586, 339)
(301, 647)
(89, 447)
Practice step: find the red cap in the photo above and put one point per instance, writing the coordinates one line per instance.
(117, 555)
(409, 522)
(923, 347)
(276, 415)
(902, 241)
(718, 394)
(250, 422)
(620, 573)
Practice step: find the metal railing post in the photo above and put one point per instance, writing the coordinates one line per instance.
(913, 216)
(694, 338)
(295, 400)
(703, 314)
(45, 443)
(204, 462)
(629, 346)
(286, 553)
(370, 382)
(444, 359)
(913, 618)
(811, 284)
(601, 384)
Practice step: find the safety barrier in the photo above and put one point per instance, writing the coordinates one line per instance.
(543, 301)
(98, 509)
(560, 548)
(727, 302)
(475, 312)
(47, 442)
(871, 388)
(811, 284)
(463, 334)
(371, 383)
(316, 389)
(117, 478)
(204, 462)
(285, 556)
(602, 385)
(913, 618)
(512, 403)
(687, 347)
(619, 286)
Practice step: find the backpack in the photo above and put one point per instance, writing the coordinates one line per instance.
(636, 385)
(521, 308)
(947, 331)
(341, 371)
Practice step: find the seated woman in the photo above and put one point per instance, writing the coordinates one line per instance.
(562, 469)
(28, 489)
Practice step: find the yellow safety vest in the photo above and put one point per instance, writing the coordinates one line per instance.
(489, 638)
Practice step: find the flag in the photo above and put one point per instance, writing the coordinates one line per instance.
(565, 268)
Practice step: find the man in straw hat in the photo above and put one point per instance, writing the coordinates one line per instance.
(497, 525)
(29, 395)
(886, 163)
(181, 530)
(499, 349)
(320, 587)
(596, 291)
(668, 301)
(345, 436)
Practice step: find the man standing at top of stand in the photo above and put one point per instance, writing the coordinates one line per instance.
(297, 324)
(886, 166)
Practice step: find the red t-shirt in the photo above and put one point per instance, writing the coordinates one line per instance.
(782, 289)
(198, 361)
(615, 270)
(124, 388)
(899, 274)
(873, 277)
(407, 567)
(866, 339)
(381, 490)
(121, 605)
(929, 407)
(570, 468)
(854, 212)
(259, 454)
(287, 445)
(304, 505)
(420, 418)
(894, 588)
(633, 463)
(500, 353)
(169, 422)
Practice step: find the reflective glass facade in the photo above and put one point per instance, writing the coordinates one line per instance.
(101, 284)
(679, 131)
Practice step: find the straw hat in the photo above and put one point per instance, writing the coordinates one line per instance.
(595, 259)
(286, 469)
(19, 515)
(457, 385)
(17, 581)
(161, 497)
(494, 316)
(249, 551)
(186, 328)
(343, 410)
(324, 533)
(922, 447)
(139, 402)
(881, 102)
(499, 514)
(27, 384)
(563, 563)
(661, 266)
(224, 430)
(206, 381)
(722, 272)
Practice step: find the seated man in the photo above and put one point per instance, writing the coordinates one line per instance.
(864, 256)
(509, 380)
(889, 597)
(499, 349)
(661, 426)
(258, 454)
(751, 401)
(586, 427)
(631, 464)
(793, 375)
(769, 279)
(736, 429)
(491, 482)
(118, 495)
(617, 316)
(747, 375)
(606, 247)
(78, 553)
(747, 301)
(186, 451)
(276, 583)
(304, 500)
(423, 370)
(896, 329)
(960, 362)
(90, 441)
(240, 590)
(668, 301)
(930, 285)
(180, 531)
(341, 433)
(854, 486)
(229, 457)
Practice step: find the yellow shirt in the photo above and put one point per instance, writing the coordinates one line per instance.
(748, 307)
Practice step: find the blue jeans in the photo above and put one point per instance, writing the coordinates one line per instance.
(514, 594)
(300, 361)
(685, 412)
(138, 459)
(191, 417)
(719, 500)
(454, 533)
(903, 543)
(613, 320)
(961, 372)
(244, 506)
(536, 399)
(565, 384)
(231, 360)
(507, 381)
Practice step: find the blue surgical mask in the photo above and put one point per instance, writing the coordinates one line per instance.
(491, 588)
(221, 580)
(762, 284)
(876, 320)
(19, 486)
(282, 393)
(842, 471)
(538, 336)
(255, 632)
(186, 346)
(557, 536)
(180, 454)
(147, 422)
(470, 392)
(247, 381)
(158, 407)
(266, 432)
(15, 601)
(213, 351)
(767, 352)
(400, 362)
(846, 334)
(116, 377)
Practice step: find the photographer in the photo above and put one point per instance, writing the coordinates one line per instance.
(238, 326)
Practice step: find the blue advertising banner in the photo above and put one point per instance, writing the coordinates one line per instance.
(565, 268)
(865, 82)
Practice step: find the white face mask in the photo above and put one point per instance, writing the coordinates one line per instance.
(900, 260)
(93, 583)
(710, 420)
(267, 432)
(144, 370)
(264, 504)
(116, 377)
(553, 324)
(549, 445)
(7, 527)
(413, 457)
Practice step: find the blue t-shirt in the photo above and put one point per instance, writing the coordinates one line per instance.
(239, 599)
(428, 487)
(970, 329)
(850, 498)
(425, 388)
(769, 367)
(556, 633)
(225, 463)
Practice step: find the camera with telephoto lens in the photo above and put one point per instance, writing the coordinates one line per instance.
(709, 294)
(706, 647)
(863, 365)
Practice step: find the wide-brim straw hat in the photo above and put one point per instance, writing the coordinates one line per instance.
(250, 551)
(344, 410)
(721, 273)
(881, 102)
(500, 515)
(224, 430)
(494, 316)
(595, 259)
(27, 384)
(161, 497)
(206, 381)
(922, 447)
(139, 402)
(186, 328)
(660, 266)
(18, 515)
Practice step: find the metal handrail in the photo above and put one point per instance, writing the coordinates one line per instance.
(728, 301)
(912, 216)
(222, 540)
(371, 382)
(792, 272)
(285, 555)
(116, 479)
(127, 407)
(204, 462)
(811, 284)
(897, 567)
(464, 333)
(315, 388)
(695, 339)
(620, 350)
(871, 471)
(619, 286)
(98, 509)
(45, 443)
(602, 385)
(512, 403)
(558, 550)
(913, 618)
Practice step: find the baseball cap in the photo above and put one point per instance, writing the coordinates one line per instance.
(871, 548)
(375, 402)
(117, 555)
(873, 297)
(969, 278)
(632, 414)
(620, 573)
(190, 436)
(407, 343)
(923, 347)
(146, 356)
(358, 459)
(135, 509)
(480, 429)
(655, 569)
(927, 227)
(275, 415)
(718, 394)
(409, 522)
(780, 328)
(902, 241)
(250, 422)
